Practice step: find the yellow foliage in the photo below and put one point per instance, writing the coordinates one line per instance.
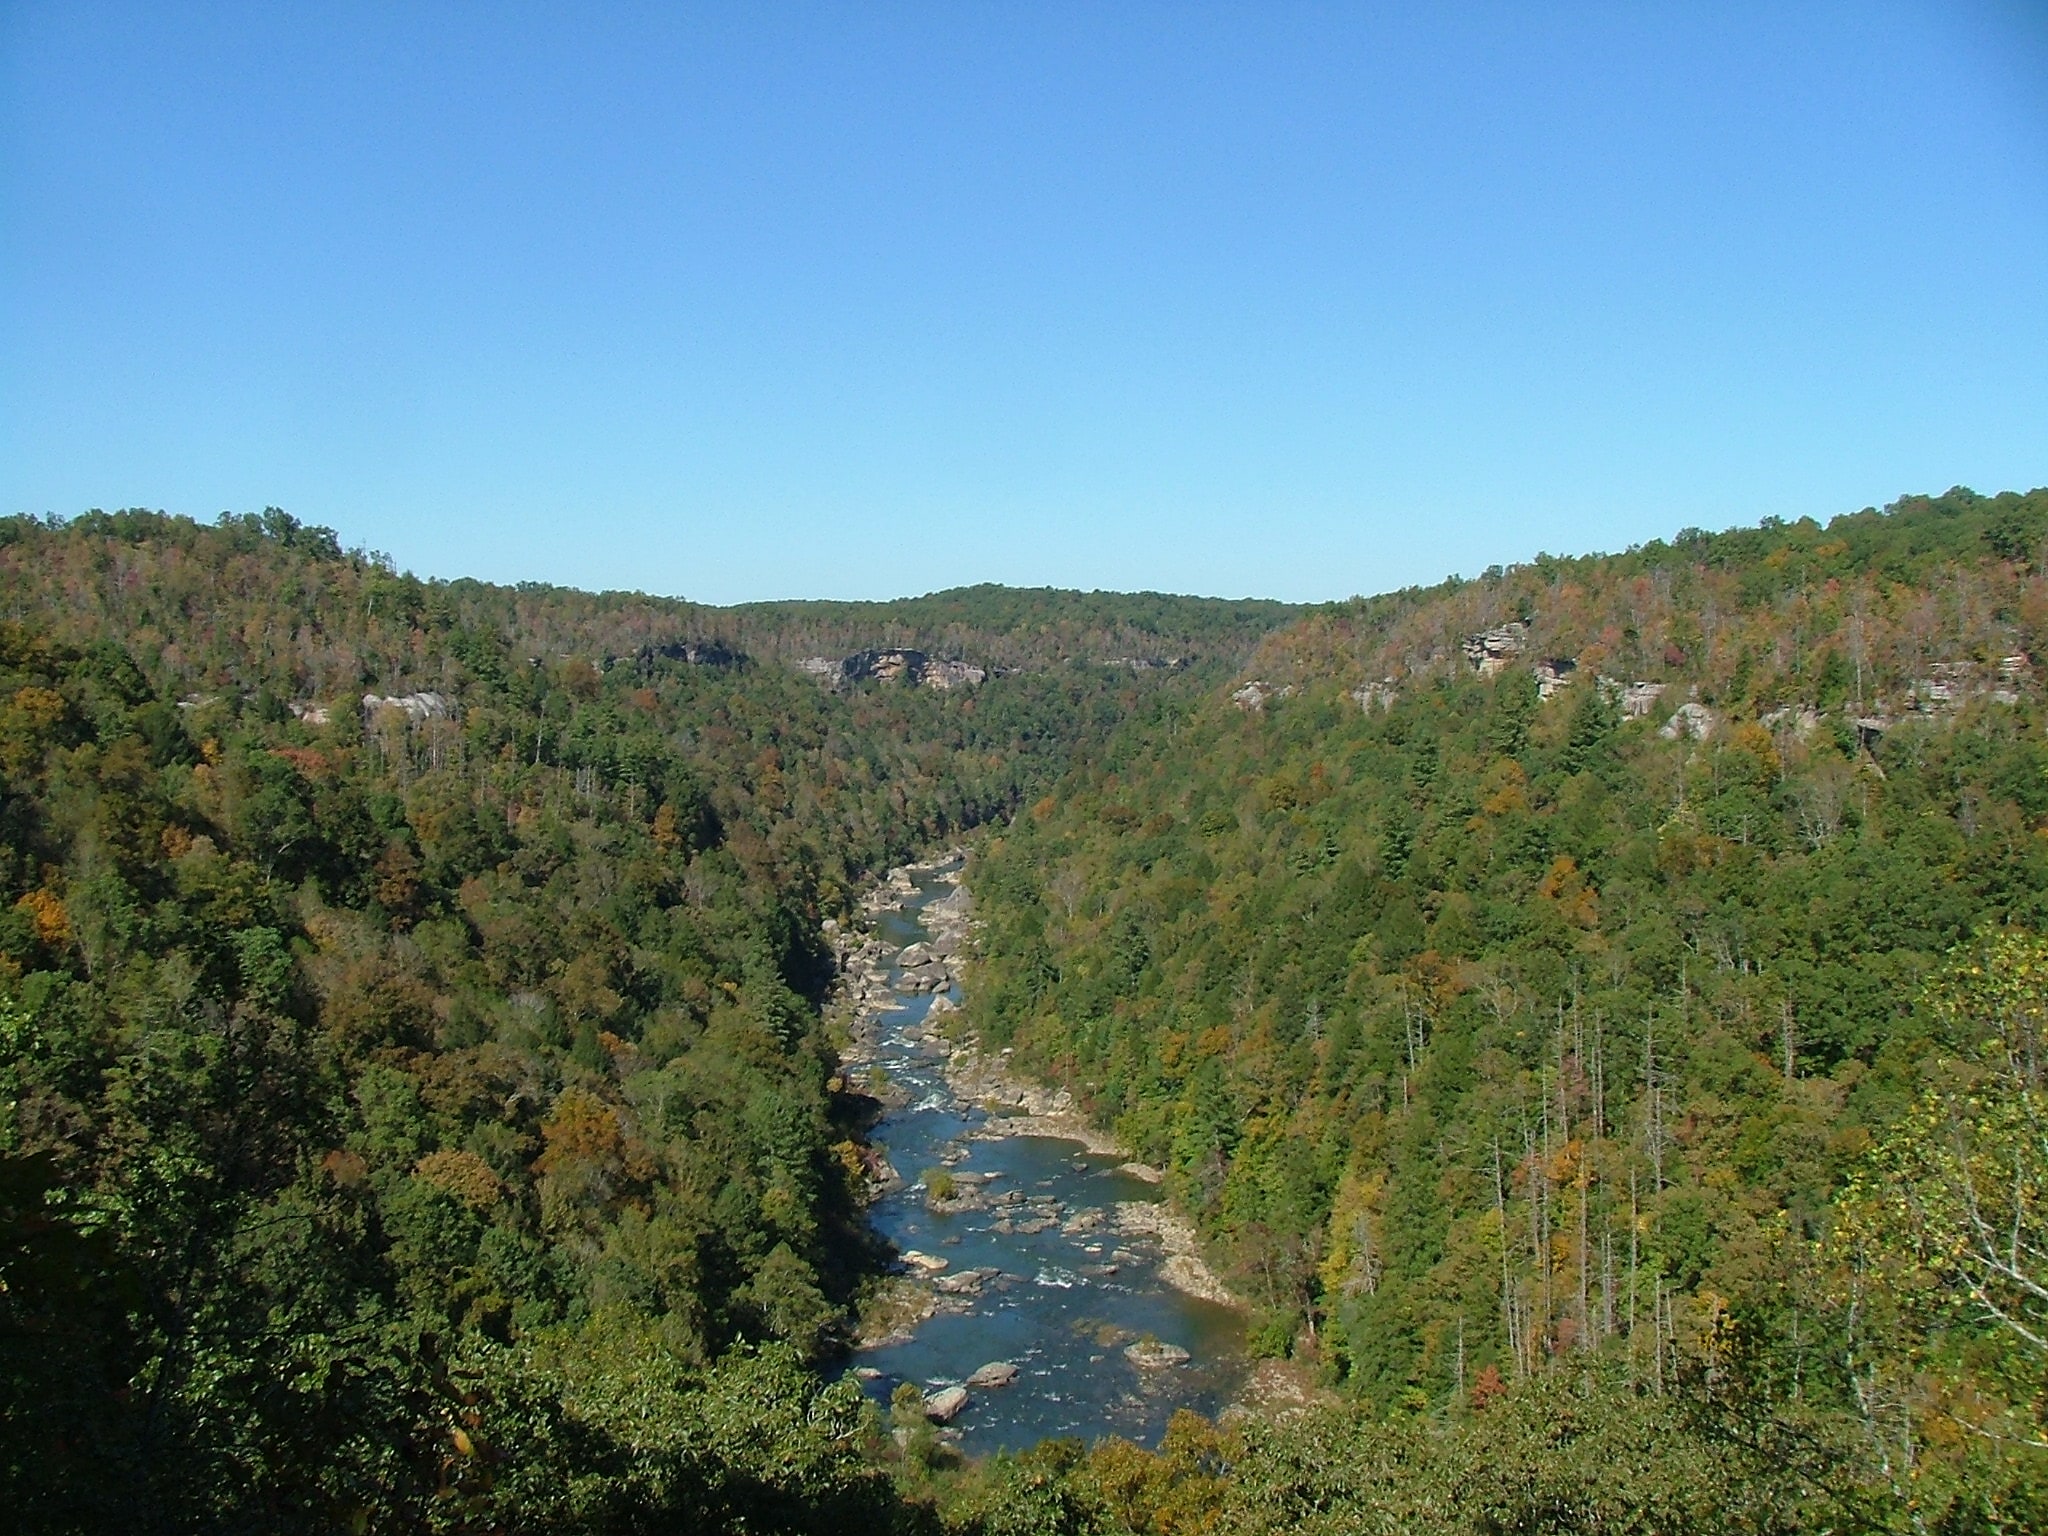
(39, 708)
(1504, 789)
(1350, 1262)
(1281, 793)
(462, 1174)
(851, 1163)
(1179, 1489)
(666, 837)
(1753, 741)
(583, 988)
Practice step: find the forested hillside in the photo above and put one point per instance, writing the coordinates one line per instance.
(1553, 973)
(1593, 1011)
(414, 1107)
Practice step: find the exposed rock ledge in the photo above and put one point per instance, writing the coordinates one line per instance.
(892, 1312)
(1278, 1389)
(1184, 1269)
(1017, 1107)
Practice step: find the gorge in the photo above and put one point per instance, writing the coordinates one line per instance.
(424, 1103)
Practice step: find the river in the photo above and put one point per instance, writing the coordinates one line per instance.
(1039, 1272)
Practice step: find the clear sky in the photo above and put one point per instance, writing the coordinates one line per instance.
(859, 300)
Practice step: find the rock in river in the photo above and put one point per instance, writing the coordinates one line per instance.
(997, 1373)
(1148, 1354)
(944, 1406)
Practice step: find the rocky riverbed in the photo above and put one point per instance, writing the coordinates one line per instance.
(1044, 1289)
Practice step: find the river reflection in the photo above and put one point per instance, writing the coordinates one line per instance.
(1063, 1292)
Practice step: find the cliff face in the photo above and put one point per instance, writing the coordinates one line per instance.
(894, 665)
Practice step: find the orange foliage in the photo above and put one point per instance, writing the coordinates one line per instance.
(585, 1134)
(46, 912)
(584, 1128)
(309, 761)
(1437, 981)
(346, 1168)
(1576, 900)
(1487, 1386)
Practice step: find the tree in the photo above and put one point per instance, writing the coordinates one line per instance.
(1950, 1207)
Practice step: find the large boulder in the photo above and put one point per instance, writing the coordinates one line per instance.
(997, 1373)
(943, 1406)
(1692, 722)
(1151, 1354)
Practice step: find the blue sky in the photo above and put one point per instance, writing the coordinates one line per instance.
(863, 300)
